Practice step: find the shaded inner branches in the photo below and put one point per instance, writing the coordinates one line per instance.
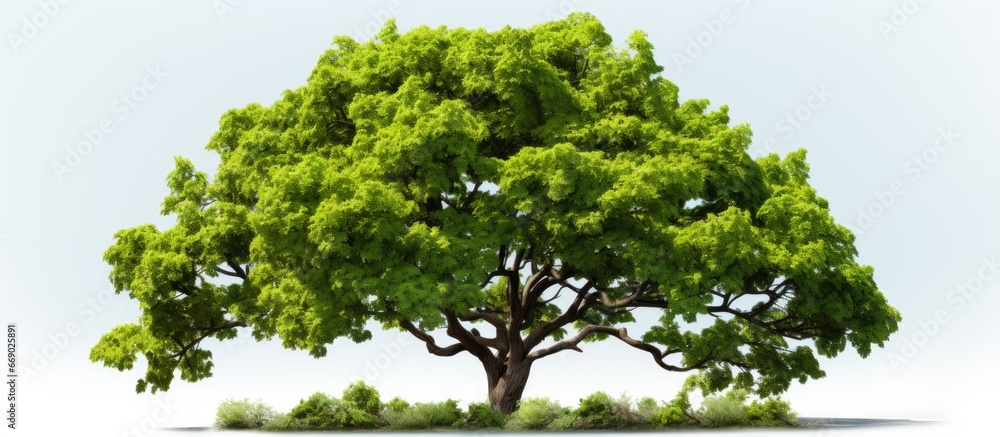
(517, 336)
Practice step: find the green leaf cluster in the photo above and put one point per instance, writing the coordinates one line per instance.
(391, 185)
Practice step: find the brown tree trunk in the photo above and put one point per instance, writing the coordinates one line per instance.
(506, 385)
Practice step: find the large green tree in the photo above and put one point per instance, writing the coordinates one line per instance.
(537, 183)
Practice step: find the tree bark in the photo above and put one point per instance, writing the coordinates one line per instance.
(506, 385)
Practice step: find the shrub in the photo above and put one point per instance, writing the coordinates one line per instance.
(406, 418)
(425, 415)
(596, 411)
(363, 405)
(647, 408)
(771, 412)
(600, 410)
(625, 414)
(565, 421)
(243, 414)
(397, 405)
(482, 415)
(319, 411)
(440, 413)
(535, 414)
(284, 422)
(359, 409)
(726, 410)
(354, 418)
(363, 397)
(669, 415)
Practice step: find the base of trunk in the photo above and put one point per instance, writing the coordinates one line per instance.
(506, 390)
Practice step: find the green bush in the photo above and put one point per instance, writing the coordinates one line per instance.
(565, 421)
(285, 422)
(243, 414)
(482, 415)
(771, 412)
(397, 405)
(363, 397)
(425, 416)
(361, 408)
(440, 414)
(726, 410)
(535, 414)
(405, 419)
(363, 405)
(353, 418)
(596, 411)
(625, 414)
(669, 415)
(647, 408)
(319, 411)
(600, 410)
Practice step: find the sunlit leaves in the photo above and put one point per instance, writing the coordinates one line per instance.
(385, 188)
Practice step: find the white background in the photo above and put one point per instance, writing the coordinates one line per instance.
(894, 73)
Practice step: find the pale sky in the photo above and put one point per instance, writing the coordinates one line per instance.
(895, 102)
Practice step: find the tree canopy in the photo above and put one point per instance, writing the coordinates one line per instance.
(539, 182)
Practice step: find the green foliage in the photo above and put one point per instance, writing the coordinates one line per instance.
(673, 413)
(363, 398)
(599, 410)
(440, 414)
(285, 422)
(669, 415)
(482, 415)
(396, 405)
(771, 412)
(646, 408)
(565, 421)
(319, 411)
(323, 412)
(596, 411)
(625, 412)
(425, 416)
(407, 419)
(388, 186)
(725, 410)
(243, 414)
(536, 414)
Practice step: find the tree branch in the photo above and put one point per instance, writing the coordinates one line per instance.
(500, 341)
(581, 302)
(432, 346)
(471, 195)
(476, 345)
(208, 332)
(238, 271)
(621, 334)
